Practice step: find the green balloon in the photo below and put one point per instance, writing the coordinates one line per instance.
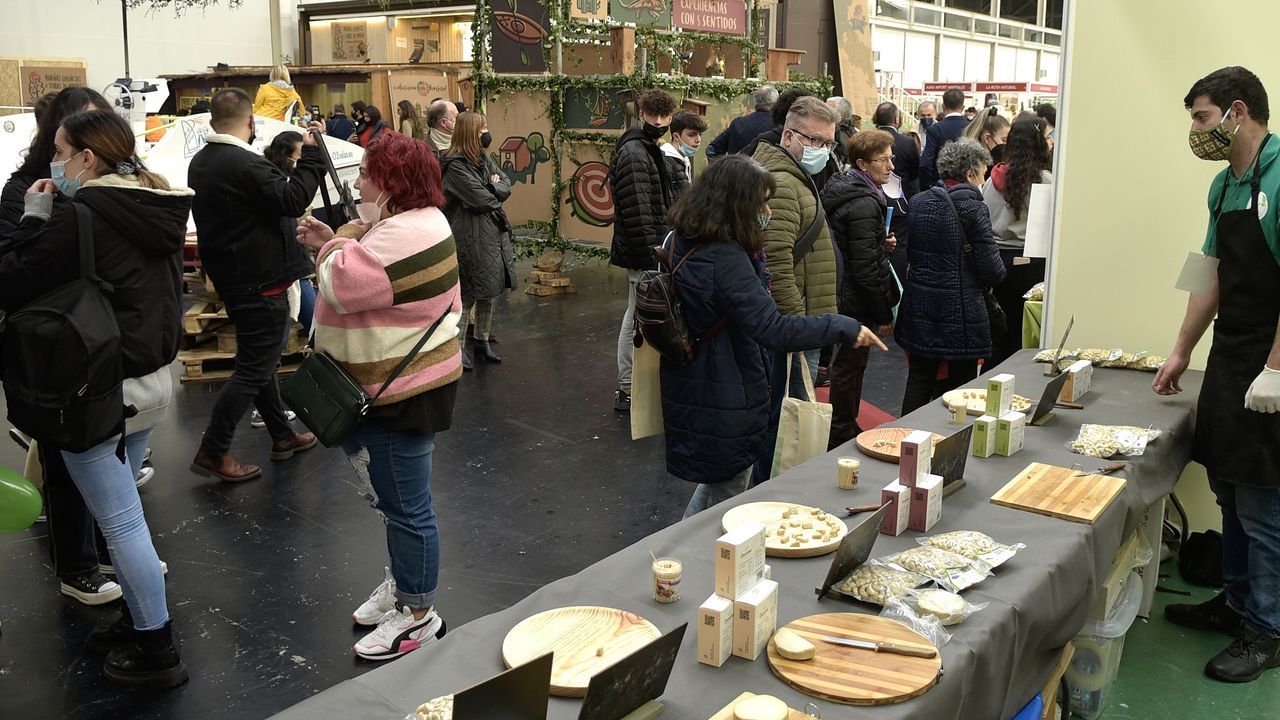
(19, 502)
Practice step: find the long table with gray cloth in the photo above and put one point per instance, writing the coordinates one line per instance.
(998, 659)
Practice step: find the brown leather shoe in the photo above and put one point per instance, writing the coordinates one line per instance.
(284, 449)
(225, 468)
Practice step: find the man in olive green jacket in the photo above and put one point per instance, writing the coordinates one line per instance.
(804, 278)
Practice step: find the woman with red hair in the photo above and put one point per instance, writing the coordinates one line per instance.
(384, 282)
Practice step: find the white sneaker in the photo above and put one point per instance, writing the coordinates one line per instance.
(398, 633)
(107, 569)
(256, 420)
(144, 475)
(380, 602)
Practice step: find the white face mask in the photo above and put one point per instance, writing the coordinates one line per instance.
(370, 212)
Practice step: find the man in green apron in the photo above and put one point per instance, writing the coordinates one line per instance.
(1238, 418)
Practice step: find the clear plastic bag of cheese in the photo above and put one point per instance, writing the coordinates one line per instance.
(975, 546)
(1107, 441)
(930, 611)
(440, 708)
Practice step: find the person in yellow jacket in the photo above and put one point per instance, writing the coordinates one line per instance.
(275, 97)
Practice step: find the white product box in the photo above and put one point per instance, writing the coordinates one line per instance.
(926, 503)
(715, 631)
(755, 615)
(984, 436)
(1010, 432)
(917, 457)
(1000, 395)
(899, 498)
(1079, 380)
(739, 560)
(768, 572)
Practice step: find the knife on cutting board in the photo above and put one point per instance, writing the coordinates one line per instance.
(884, 647)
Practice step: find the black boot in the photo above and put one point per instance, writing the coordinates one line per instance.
(1246, 657)
(1213, 615)
(151, 660)
(486, 353)
(467, 365)
(118, 634)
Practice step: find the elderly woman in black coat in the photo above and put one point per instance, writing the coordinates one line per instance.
(715, 409)
(942, 322)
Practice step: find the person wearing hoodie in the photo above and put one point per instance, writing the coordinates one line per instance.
(474, 190)
(277, 95)
(642, 193)
(241, 200)
(686, 137)
(856, 205)
(139, 226)
(1008, 196)
(942, 323)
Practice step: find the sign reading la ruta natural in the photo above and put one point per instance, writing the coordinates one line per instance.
(728, 17)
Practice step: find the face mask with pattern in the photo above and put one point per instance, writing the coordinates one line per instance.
(1216, 143)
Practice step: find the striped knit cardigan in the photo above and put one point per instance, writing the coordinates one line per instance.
(380, 293)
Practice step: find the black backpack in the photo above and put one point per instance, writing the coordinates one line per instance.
(658, 318)
(63, 372)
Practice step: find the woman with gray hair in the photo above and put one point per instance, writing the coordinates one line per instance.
(942, 323)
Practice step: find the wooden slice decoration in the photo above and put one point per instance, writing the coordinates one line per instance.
(853, 676)
(977, 401)
(1058, 492)
(585, 640)
(885, 443)
(550, 261)
(780, 515)
(726, 713)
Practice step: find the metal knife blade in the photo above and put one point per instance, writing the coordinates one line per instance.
(885, 647)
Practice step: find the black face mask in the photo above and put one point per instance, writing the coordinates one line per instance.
(925, 122)
(653, 132)
(485, 139)
(997, 154)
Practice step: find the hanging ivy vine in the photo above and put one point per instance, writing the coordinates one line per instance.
(565, 29)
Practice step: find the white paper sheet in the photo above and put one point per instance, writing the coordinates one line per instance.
(1039, 221)
(1198, 273)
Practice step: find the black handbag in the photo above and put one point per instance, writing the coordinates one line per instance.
(329, 401)
(995, 314)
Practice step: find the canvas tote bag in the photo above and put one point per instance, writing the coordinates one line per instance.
(804, 425)
(646, 392)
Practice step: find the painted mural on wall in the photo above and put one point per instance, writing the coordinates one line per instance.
(642, 12)
(718, 16)
(593, 109)
(519, 157)
(590, 9)
(518, 32)
(350, 41)
(590, 195)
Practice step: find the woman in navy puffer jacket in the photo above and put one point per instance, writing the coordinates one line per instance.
(715, 409)
(942, 322)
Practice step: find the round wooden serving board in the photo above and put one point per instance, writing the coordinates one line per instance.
(977, 400)
(853, 676)
(891, 451)
(769, 514)
(576, 635)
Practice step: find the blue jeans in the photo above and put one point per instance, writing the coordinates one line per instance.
(398, 466)
(1251, 552)
(112, 497)
(777, 374)
(307, 305)
(708, 494)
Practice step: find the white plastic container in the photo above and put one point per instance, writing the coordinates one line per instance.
(1098, 649)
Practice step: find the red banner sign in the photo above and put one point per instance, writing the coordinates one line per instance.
(728, 17)
(913, 91)
(1044, 89)
(1002, 87)
(945, 86)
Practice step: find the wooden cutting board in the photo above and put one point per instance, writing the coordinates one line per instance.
(976, 400)
(1056, 492)
(727, 712)
(585, 640)
(852, 676)
(770, 514)
(886, 443)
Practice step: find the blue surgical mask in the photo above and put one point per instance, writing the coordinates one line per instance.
(58, 173)
(763, 220)
(925, 122)
(815, 159)
(687, 151)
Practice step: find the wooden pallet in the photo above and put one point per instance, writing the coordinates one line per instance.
(204, 317)
(207, 364)
(544, 290)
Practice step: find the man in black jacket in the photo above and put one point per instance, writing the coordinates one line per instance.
(744, 129)
(906, 165)
(642, 193)
(950, 127)
(339, 126)
(240, 200)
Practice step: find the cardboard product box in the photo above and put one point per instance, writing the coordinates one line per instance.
(1010, 432)
(715, 631)
(1000, 395)
(984, 436)
(926, 503)
(1079, 380)
(1123, 564)
(899, 498)
(917, 457)
(755, 616)
(739, 560)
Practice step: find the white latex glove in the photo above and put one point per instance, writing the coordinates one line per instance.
(1264, 394)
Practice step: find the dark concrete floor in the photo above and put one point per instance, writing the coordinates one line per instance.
(537, 480)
